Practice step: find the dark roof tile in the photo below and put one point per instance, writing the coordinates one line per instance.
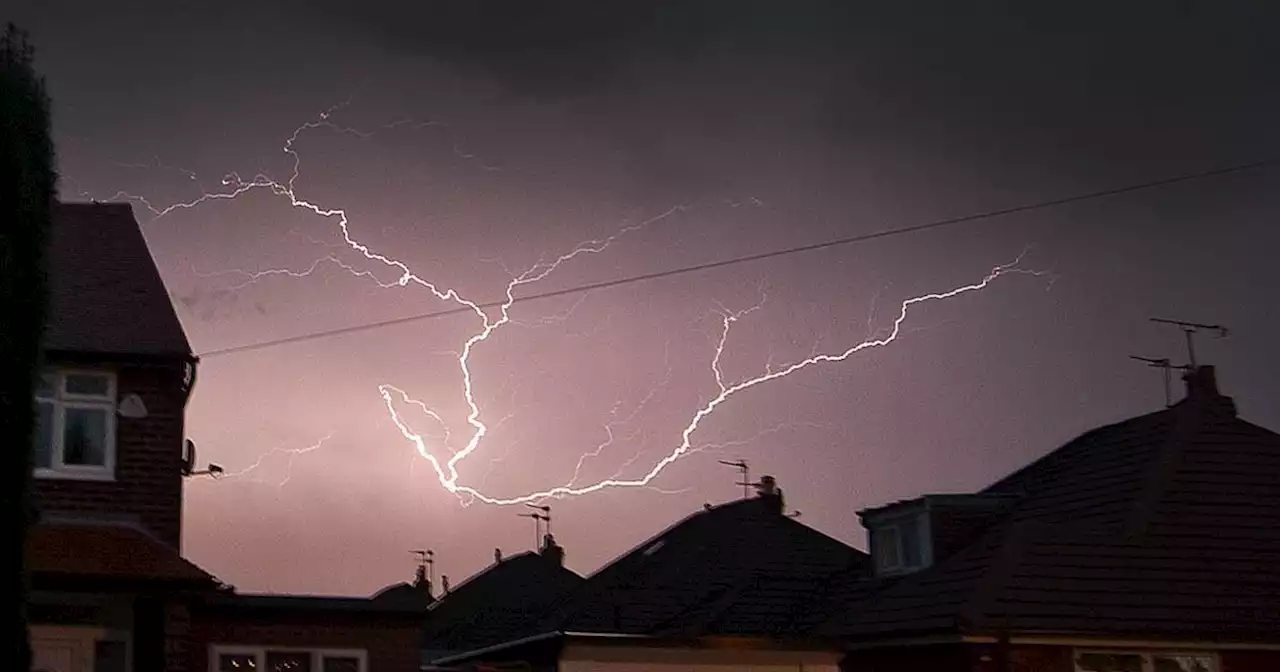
(105, 292)
(106, 551)
(1161, 525)
(505, 601)
(739, 568)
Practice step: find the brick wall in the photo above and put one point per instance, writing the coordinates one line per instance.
(1250, 661)
(934, 657)
(392, 644)
(148, 479)
(1026, 658)
(1018, 658)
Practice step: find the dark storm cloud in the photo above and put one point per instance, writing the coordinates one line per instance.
(556, 48)
(564, 48)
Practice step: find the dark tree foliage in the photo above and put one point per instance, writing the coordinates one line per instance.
(27, 193)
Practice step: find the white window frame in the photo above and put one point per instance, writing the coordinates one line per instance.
(1148, 664)
(61, 401)
(896, 523)
(259, 653)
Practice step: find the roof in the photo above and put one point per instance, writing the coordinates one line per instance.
(1166, 525)
(273, 602)
(503, 602)
(106, 551)
(404, 593)
(741, 568)
(105, 292)
(546, 647)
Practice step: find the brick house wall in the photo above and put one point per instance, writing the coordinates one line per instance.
(148, 477)
(1017, 658)
(392, 644)
(933, 657)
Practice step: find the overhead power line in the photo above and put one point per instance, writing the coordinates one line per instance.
(860, 238)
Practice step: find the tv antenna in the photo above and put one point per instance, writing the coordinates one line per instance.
(1164, 364)
(741, 466)
(426, 565)
(1190, 329)
(538, 519)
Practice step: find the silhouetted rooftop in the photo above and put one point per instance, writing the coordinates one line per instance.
(1167, 524)
(738, 568)
(505, 601)
(105, 292)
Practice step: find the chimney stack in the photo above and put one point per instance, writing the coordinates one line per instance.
(770, 495)
(444, 583)
(497, 555)
(551, 550)
(1202, 383)
(1202, 389)
(421, 582)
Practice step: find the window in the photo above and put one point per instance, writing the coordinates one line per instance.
(75, 433)
(1134, 661)
(287, 659)
(901, 545)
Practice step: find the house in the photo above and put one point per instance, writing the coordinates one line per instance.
(506, 601)
(109, 584)
(304, 632)
(1151, 544)
(725, 586)
(111, 590)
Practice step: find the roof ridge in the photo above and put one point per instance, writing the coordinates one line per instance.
(1055, 452)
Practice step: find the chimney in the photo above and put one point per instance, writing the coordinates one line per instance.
(497, 555)
(1202, 383)
(444, 583)
(551, 550)
(768, 492)
(1202, 389)
(421, 582)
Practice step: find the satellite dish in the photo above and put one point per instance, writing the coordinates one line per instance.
(132, 407)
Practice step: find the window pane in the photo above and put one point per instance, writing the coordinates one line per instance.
(109, 657)
(886, 543)
(84, 437)
(341, 664)
(43, 436)
(1181, 662)
(236, 662)
(909, 533)
(86, 384)
(288, 661)
(1109, 662)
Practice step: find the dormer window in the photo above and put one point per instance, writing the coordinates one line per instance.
(901, 544)
(75, 433)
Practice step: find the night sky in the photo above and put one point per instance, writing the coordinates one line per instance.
(471, 141)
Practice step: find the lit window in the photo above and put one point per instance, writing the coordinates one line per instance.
(287, 659)
(1133, 661)
(75, 425)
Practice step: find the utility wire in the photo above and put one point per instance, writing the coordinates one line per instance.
(885, 233)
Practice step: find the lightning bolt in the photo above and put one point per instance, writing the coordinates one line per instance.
(447, 469)
(291, 453)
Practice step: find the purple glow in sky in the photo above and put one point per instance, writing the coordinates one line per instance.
(565, 147)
